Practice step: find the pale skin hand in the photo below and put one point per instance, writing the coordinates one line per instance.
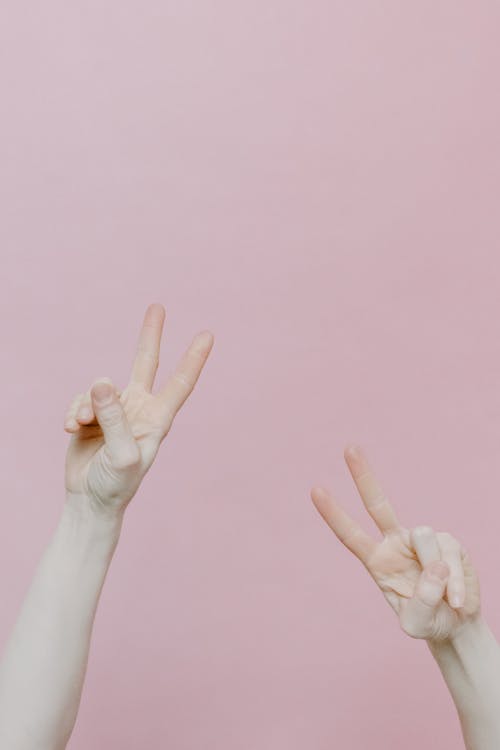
(114, 444)
(426, 577)
(428, 580)
(43, 666)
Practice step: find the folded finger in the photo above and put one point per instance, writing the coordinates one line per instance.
(424, 541)
(119, 439)
(70, 421)
(418, 613)
(451, 554)
(85, 413)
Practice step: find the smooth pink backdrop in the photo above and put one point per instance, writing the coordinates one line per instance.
(318, 183)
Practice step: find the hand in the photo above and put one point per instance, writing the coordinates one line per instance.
(116, 434)
(426, 577)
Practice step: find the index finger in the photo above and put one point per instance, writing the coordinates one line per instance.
(148, 348)
(372, 494)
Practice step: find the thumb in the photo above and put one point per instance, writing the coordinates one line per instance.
(120, 443)
(417, 617)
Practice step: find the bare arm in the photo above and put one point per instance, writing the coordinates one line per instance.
(428, 580)
(43, 668)
(470, 664)
(115, 438)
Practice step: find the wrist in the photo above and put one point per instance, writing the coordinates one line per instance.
(80, 514)
(472, 644)
(470, 664)
(469, 632)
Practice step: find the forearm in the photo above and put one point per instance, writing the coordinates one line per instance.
(470, 664)
(44, 664)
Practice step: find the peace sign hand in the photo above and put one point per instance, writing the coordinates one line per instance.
(116, 434)
(426, 577)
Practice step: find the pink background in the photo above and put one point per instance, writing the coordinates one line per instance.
(318, 183)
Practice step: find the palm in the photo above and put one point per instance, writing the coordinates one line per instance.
(394, 567)
(149, 416)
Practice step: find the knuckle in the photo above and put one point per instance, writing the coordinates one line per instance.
(111, 417)
(351, 536)
(149, 355)
(445, 536)
(422, 531)
(183, 380)
(379, 500)
(449, 541)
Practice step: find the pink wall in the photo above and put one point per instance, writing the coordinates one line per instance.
(318, 183)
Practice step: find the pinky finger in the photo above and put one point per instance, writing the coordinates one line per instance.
(70, 421)
(451, 554)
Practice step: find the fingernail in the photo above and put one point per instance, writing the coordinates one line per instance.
(204, 340)
(422, 531)
(353, 450)
(455, 601)
(319, 492)
(102, 393)
(85, 413)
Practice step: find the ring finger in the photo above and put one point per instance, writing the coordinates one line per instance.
(70, 421)
(451, 553)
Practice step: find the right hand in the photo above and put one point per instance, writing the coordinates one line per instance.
(115, 435)
(426, 577)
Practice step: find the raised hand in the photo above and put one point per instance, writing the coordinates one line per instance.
(426, 576)
(116, 434)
